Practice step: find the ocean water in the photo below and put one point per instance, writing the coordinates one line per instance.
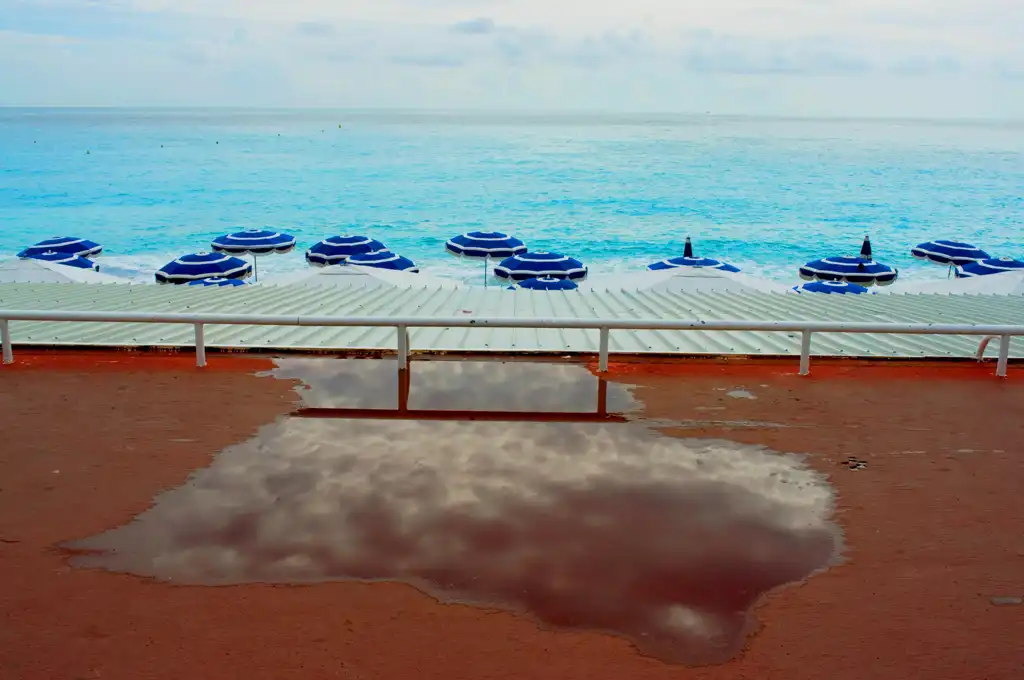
(617, 192)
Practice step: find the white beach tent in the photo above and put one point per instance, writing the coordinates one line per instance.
(39, 271)
(1009, 283)
(683, 280)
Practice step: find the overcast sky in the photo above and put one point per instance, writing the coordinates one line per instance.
(933, 58)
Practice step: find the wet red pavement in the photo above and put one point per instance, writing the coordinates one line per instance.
(931, 524)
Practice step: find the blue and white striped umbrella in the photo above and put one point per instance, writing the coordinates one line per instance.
(534, 265)
(203, 265)
(548, 283)
(65, 245)
(688, 260)
(943, 251)
(217, 281)
(860, 269)
(337, 249)
(996, 265)
(254, 242)
(65, 259)
(384, 259)
(485, 244)
(832, 288)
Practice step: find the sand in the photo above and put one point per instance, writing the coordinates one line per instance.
(931, 521)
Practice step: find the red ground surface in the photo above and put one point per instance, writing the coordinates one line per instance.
(932, 528)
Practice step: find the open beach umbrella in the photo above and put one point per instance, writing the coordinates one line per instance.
(484, 246)
(861, 269)
(832, 288)
(688, 260)
(943, 251)
(217, 282)
(65, 245)
(337, 249)
(548, 283)
(203, 265)
(996, 265)
(384, 259)
(65, 259)
(534, 265)
(254, 242)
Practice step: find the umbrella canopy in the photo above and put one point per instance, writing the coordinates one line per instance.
(203, 266)
(533, 265)
(943, 251)
(548, 283)
(832, 288)
(996, 265)
(337, 249)
(65, 259)
(860, 269)
(254, 242)
(485, 244)
(384, 259)
(65, 245)
(217, 281)
(688, 260)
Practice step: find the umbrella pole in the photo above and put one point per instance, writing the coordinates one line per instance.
(255, 270)
(485, 270)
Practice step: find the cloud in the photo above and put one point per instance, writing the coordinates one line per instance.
(315, 29)
(480, 26)
(552, 53)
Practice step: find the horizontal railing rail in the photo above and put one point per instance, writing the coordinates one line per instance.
(402, 324)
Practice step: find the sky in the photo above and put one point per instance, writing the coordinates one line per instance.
(884, 58)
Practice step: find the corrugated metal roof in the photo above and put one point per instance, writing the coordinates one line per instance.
(432, 301)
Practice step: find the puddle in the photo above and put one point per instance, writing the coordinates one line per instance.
(601, 526)
(740, 394)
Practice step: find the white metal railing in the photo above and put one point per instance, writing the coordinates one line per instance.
(603, 326)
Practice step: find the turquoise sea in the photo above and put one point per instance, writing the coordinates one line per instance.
(617, 192)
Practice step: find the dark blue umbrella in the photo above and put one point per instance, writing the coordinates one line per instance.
(203, 266)
(337, 249)
(384, 259)
(484, 246)
(254, 242)
(947, 252)
(548, 283)
(688, 260)
(996, 265)
(217, 281)
(860, 269)
(65, 245)
(534, 265)
(832, 288)
(65, 259)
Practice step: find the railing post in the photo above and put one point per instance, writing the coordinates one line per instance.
(5, 338)
(602, 354)
(1004, 355)
(200, 345)
(403, 347)
(805, 353)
